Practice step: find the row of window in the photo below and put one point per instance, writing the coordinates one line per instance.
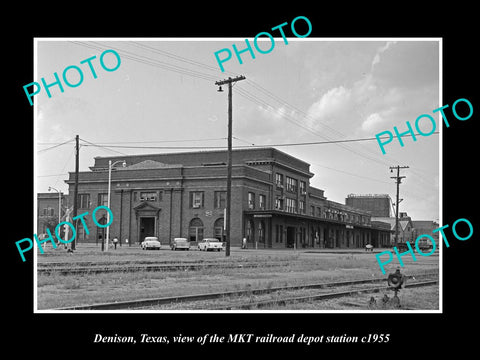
(83, 200)
(48, 211)
(290, 205)
(197, 198)
(196, 230)
(338, 215)
(291, 185)
(197, 201)
(262, 199)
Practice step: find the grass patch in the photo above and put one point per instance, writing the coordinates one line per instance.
(272, 269)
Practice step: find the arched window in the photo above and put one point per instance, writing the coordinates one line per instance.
(195, 230)
(218, 230)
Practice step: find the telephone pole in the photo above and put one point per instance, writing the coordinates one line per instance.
(75, 191)
(229, 81)
(399, 181)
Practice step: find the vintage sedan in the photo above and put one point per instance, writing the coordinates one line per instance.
(151, 242)
(180, 243)
(210, 244)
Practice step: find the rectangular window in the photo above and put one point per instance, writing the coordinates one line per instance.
(279, 203)
(303, 188)
(102, 199)
(48, 211)
(301, 207)
(292, 184)
(291, 205)
(148, 196)
(196, 199)
(251, 200)
(279, 180)
(83, 201)
(312, 210)
(220, 199)
(261, 201)
(319, 211)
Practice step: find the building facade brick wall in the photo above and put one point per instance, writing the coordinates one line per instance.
(183, 195)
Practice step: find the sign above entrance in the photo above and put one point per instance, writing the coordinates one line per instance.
(262, 216)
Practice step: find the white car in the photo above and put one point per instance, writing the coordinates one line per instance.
(151, 242)
(210, 244)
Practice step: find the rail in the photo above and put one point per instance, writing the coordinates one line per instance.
(142, 303)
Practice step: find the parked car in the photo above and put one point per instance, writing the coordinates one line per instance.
(151, 242)
(180, 243)
(210, 244)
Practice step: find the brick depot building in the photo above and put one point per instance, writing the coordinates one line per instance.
(184, 195)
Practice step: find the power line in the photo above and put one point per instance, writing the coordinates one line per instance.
(158, 141)
(103, 147)
(55, 146)
(251, 98)
(349, 173)
(240, 146)
(244, 93)
(118, 144)
(307, 128)
(174, 56)
(153, 62)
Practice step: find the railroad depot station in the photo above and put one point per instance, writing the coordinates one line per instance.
(184, 195)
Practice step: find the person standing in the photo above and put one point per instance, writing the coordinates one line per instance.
(115, 241)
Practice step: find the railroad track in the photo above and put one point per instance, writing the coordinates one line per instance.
(315, 297)
(95, 269)
(165, 301)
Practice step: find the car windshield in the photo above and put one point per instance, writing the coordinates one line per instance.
(212, 240)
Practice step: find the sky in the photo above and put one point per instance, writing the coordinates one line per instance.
(163, 98)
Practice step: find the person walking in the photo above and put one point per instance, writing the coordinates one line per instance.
(115, 241)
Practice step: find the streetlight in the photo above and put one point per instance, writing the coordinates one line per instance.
(59, 202)
(110, 165)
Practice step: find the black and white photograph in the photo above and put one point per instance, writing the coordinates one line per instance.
(315, 206)
(254, 181)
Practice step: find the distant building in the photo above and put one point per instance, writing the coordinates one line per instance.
(426, 227)
(184, 195)
(406, 229)
(47, 210)
(378, 205)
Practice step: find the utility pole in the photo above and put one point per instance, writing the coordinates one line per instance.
(75, 191)
(229, 81)
(399, 181)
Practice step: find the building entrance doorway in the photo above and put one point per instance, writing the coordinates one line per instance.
(290, 236)
(147, 227)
